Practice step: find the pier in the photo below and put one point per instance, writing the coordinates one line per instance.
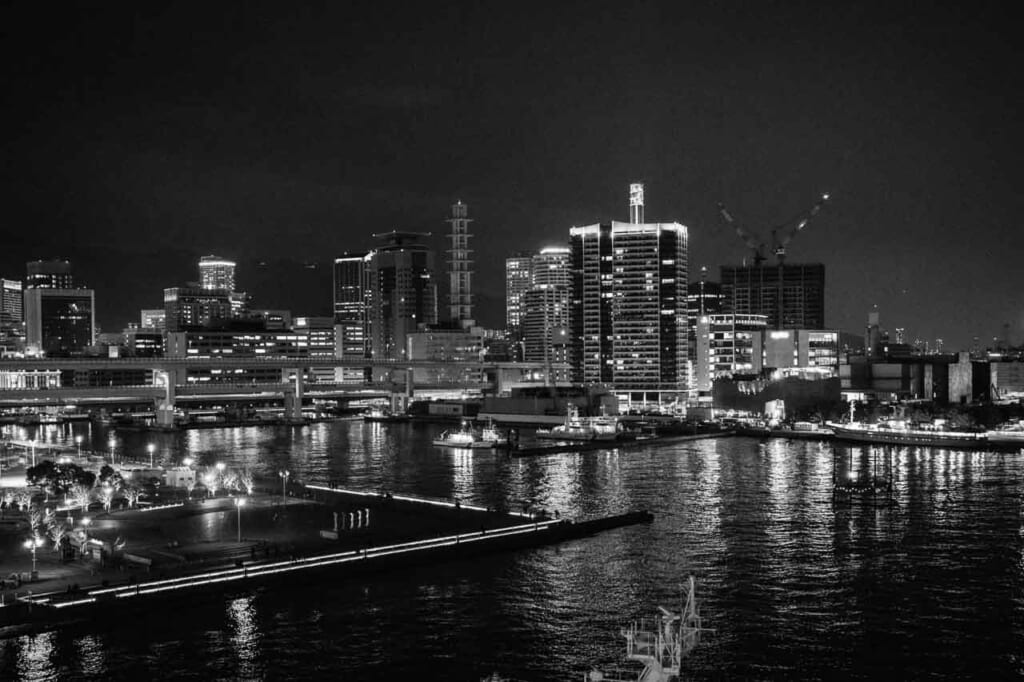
(372, 538)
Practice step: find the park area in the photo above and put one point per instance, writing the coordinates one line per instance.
(178, 535)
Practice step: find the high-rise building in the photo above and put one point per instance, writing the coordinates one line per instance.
(153, 318)
(460, 268)
(518, 275)
(59, 322)
(702, 298)
(726, 346)
(544, 323)
(12, 314)
(791, 295)
(190, 308)
(629, 304)
(49, 274)
(319, 332)
(60, 318)
(401, 292)
(216, 273)
(350, 298)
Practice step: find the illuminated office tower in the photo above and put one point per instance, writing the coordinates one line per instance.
(11, 310)
(216, 273)
(628, 309)
(350, 297)
(60, 318)
(518, 271)
(49, 274)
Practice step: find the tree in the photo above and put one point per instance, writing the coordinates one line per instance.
(110, 477)
(59, 479)
(23, 498)
(35, 522)
(57, 531)
(107, 496)
(230, 480)
(81, 496)
(131, 494)
(247, 481)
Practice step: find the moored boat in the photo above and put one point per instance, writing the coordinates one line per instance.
(1007, 434)
(487, 437)
(901, 432)
(379, 414)
(575, 427)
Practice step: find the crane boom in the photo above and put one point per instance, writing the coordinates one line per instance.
(748, 239)
(794, 226)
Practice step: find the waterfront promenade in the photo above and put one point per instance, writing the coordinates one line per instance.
(187, 537)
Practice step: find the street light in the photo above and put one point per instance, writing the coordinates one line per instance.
(111, 444)
(32, 444)
(85, 529)
(78, 442)
(188, 461)
(32, 544)
(239, 503)
(284, 474)
(151, 448)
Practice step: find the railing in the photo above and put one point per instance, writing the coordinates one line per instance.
(280, 567)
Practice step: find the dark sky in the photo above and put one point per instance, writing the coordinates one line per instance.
(141, 136)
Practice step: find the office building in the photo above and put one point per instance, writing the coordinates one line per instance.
(401, 292)
(59, 322)
(12, 314)
(628, 308)
(727, 345)
(790, 295)
(49, 274)
(350, 297)
(537, 290)
(191, 308)
(216, 273)
(153, 318)
(319, 333)
(518, 273)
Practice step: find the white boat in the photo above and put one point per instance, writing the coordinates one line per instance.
(660, 644)
(379, 414)
(575, 427)
(1007, 434)
(487, 437)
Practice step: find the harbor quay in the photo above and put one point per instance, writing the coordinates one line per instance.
(316, 532)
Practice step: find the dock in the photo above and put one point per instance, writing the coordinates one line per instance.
(493, 531)
(556, 447)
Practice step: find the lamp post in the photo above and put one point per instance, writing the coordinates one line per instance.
(111, 444)
(78, 442)
(152, 462)
(284, 474)
(32, 444)
(239, 503)
(85, 529)
(32, 544)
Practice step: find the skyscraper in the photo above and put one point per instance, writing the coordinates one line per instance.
(217, 273)
(60, 319)
(629, 303)
(518, 274)
(401, 292)
(791, 295)
(11, 309)
(545, 317)
(460, 268)
(350, 299)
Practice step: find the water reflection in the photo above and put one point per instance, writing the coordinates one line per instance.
(245, 636)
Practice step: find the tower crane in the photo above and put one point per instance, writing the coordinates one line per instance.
(781, 234)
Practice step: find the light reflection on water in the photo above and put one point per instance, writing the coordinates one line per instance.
(796, 584)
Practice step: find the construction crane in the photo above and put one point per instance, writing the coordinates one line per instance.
(781, 234)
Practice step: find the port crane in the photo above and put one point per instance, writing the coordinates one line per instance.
(781, 234)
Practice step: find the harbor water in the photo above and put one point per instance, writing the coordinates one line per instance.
(795, 583)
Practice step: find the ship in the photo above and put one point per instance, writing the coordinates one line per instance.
(575, 427)
(1007, 434)
(468, 437)
(379, 414)
(660, 645)
(904, 432)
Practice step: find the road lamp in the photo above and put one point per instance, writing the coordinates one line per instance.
(32, 544)
(239, 503)
(152, 462)
(284, 474)
(32, 444)
(85, 530)
(111, 444)
(78, 442)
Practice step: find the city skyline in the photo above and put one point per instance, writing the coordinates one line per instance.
(146, 139)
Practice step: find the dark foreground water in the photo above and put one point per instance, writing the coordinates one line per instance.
(795, 585)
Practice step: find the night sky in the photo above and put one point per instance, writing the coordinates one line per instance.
(141, 136)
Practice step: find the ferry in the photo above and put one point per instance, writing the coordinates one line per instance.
(485, 438)
(903, 432)
(660, 645)
(575, 427)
